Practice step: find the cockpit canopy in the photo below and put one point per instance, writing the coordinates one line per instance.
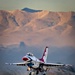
(29, 54)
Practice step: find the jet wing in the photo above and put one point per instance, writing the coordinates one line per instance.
(18, 64)
(52, 64)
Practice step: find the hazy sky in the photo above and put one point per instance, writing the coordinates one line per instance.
(53, 5)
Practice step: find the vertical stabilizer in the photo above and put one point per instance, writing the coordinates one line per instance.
(44, 57)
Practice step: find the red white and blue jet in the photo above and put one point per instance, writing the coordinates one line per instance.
(36, 65)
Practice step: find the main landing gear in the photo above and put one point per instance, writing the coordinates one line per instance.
(44, 73)
(34, 73)
(31, 73)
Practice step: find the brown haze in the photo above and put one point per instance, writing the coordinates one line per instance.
(39, 28)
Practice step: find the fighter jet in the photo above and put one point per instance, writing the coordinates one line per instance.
(35, 65)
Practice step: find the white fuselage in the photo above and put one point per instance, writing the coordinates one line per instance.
(34, 62)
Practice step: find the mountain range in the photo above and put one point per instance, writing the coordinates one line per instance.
(30, 30)
(37, 27)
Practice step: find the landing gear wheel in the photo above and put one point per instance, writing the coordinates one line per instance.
(44, 74)
(37, 72)
(30, 73)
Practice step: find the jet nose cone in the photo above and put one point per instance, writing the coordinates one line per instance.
(25, 59)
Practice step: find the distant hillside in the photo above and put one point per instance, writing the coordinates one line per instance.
(39, 28)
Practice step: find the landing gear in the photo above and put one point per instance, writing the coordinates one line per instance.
(31, 73)
(34, 73)
(37, 72)
(44, 74)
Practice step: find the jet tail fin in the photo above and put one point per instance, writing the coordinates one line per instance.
(44, 57)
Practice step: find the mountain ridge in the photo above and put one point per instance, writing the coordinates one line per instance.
(51, 27)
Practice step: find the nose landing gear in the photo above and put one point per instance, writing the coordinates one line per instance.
(31, 73)
(36, 73)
